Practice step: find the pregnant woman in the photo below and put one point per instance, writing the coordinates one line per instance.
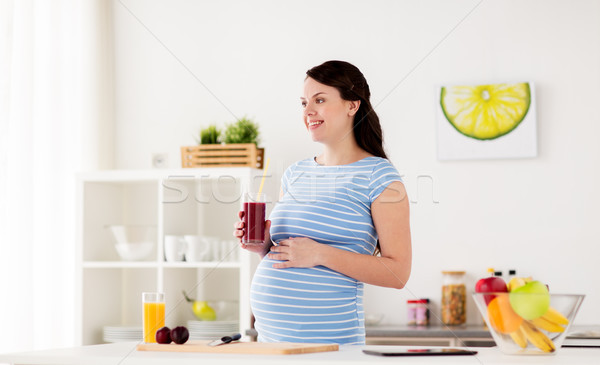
(342, 220)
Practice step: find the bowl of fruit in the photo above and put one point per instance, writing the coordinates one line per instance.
(524, 317)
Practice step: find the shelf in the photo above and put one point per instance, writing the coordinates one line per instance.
(120, 176)
(120, 264)
(196, 202)
(153, 265)
(201, 265)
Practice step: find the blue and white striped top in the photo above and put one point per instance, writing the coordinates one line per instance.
(331, 205)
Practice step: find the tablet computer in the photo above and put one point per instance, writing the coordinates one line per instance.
(419, 352)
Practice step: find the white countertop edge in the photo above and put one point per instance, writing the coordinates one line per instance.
(124, 353)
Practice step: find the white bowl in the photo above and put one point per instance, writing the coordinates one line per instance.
(133, 242)
(226, 310)
(373, 319)
(516, 335)
(134, 251)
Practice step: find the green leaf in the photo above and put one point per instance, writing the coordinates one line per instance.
(242, 131)
(210, 135)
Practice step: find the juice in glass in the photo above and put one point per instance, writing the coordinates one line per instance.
(254, 218)
(154, 315)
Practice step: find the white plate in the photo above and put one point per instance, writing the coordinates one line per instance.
(122, 328)
(121, 333)
(208, 323)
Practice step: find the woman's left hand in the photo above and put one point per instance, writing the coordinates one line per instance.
(296, 252)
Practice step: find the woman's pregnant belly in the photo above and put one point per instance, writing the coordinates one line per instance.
(306, 305)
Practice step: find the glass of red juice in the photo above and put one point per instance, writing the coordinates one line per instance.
(254, 206)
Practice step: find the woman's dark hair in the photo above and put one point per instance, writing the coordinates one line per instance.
(352, 85)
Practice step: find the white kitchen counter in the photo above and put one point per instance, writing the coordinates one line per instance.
(125, 354)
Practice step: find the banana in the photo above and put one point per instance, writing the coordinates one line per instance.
(515, 283)
(537, 338)
(547, 325)
(554, 316)
(519, 337)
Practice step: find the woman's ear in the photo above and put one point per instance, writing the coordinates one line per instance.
(353, 107)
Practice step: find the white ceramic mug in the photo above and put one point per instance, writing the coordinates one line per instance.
(198, 248)
(174, 248)
(229, 250)
(216, 251)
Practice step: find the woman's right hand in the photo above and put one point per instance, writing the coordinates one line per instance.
(239, 232)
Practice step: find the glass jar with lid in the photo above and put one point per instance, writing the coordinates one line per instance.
(454, 298)
(417, 312)
(411, 312)
(422, 312)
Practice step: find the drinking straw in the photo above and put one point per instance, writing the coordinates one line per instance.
(262, 181)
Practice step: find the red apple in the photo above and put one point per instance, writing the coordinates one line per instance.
(492, 284)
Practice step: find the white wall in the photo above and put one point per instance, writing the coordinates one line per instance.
(181, 65)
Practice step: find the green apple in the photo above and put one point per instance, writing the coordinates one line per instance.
(531, 300)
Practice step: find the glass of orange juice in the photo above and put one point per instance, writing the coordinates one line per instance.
(154, 315)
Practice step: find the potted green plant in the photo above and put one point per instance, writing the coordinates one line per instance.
(245, 130)
(237, 146)
(210, 135)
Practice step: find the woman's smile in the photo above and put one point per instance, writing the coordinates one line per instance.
(313, 124)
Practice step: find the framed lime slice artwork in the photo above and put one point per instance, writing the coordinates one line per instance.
(486, 111)
(487, 121)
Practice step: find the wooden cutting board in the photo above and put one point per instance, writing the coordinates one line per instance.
(282, 348)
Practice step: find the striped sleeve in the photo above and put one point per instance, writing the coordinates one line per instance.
(384, 173)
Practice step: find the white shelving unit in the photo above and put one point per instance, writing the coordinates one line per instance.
(177, 202)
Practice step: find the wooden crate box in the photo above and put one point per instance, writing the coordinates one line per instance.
(222, 155)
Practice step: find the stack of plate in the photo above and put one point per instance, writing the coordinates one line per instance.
(210, 330)
(122, 333)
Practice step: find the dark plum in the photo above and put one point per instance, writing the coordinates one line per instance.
(163, 335)
(180, 335)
